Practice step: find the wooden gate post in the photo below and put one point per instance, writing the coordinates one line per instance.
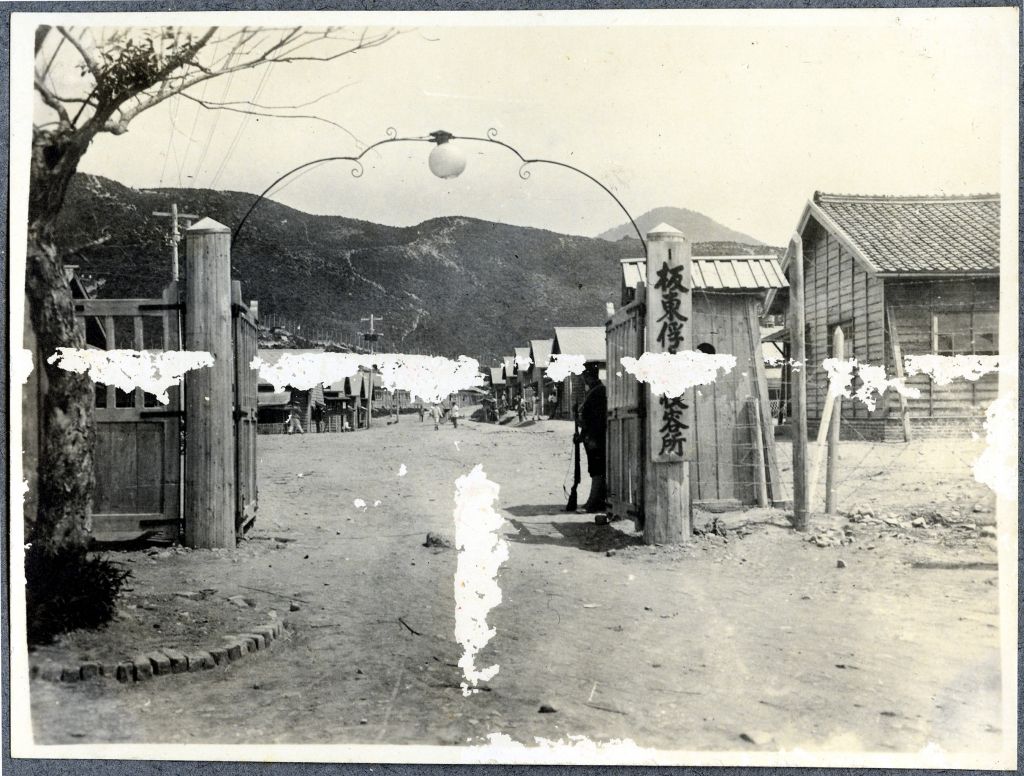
(209, 434)
(832, 465)
(799, 373)
(669, 420)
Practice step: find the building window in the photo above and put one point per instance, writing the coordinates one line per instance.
(966, 333)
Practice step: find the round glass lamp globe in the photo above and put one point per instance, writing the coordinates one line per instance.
(447, 160)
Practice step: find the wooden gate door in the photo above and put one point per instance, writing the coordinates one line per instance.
(246, 388)
(137, 458)
(624, 334)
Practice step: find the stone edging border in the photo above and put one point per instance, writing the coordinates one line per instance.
(163, 661)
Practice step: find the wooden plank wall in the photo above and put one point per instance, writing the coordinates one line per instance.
(722, 442)
(627, 457)
(570, 391)
(837, 289)
(913, 303)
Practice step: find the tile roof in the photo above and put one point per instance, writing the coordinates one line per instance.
(918, 234)
(586, 341)
(720, 273)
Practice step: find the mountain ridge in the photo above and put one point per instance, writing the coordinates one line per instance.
(696, 226)
(449, 285)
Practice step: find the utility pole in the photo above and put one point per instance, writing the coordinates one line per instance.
(372, 335)
(175, 235)
(797, 321)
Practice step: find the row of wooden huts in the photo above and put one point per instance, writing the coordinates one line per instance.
(525, 373)
(346, 405)
(350, 404)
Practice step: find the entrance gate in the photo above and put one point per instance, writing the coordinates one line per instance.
(244, 342)
(137, 458)
(624, 334)
(139, 443)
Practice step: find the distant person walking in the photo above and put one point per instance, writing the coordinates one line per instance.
(593, 422)
(422, 411)
(318, 417)
(454, 415)
(291, 423)
(520, 408)
(435, 413)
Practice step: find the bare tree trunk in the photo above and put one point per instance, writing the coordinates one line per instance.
(66, 445)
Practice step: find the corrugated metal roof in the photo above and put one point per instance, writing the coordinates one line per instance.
(719, 273)
(540, 352)
(275, 399)
(586, 341)
(497, 375)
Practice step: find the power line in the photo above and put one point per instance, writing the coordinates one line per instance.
(216, 118)
(241, 129)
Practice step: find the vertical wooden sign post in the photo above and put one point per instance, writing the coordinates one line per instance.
(669, 419)
(209, 435)
(799, 376)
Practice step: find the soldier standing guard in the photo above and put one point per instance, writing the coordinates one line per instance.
(593, 421)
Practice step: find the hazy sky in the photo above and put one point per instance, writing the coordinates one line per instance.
(741, 123)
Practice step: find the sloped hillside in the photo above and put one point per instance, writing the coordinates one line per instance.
(697, 226)
(448, 286)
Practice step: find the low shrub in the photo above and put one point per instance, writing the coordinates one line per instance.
(69, 588)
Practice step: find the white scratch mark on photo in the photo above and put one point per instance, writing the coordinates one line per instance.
(481, 553)
(153, 372)
(997, 464)
(671, 374)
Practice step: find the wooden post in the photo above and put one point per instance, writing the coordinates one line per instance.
(369, 396)
(209, 436)
(799, 374)
(821, 442)
(669, 421)
(838, 351)
(897, 357)
(758, 439)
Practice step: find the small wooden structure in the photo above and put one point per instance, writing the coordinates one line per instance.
(341, 414)
(521, 376)
(150, 486)
(496, 379)
(727, 454)
(586, 341)
(508, 373)
(540, 356)
(274, 407)
(901, 276)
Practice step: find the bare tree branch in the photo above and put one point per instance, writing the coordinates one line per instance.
(87, 57)
(52, 101)
(53, 56)
(308, 117)
(215, 104)
(183, 82)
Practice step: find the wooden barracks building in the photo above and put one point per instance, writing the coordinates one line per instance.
(902, 276)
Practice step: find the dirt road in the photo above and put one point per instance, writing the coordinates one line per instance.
(758, 633)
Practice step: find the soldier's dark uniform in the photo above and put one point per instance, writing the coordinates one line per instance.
(593, 422)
